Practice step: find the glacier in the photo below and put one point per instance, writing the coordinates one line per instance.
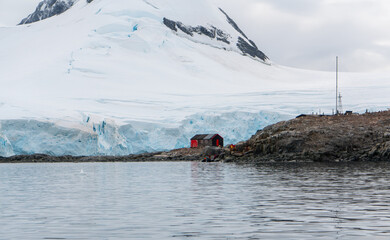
(23, 137)
(110, 78)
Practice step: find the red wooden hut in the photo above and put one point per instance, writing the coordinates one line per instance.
(204, 140)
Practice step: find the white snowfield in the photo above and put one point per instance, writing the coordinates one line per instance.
(109, 78)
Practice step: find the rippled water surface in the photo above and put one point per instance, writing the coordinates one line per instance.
(189, 200)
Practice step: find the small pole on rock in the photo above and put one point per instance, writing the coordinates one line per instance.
(337, 83)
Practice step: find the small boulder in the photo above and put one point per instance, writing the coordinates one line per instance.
(212, 151)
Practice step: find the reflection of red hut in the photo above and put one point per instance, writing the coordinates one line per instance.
(204, 140)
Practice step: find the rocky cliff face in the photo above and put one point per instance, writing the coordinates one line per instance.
(321, 138)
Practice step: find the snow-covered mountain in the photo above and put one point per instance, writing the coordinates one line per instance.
(50, 8)
(118, 77)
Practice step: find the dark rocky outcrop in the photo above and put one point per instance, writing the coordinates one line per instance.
(49, 8)
(211, 32)
(250, 49)
(233, 23)
(170, 24)
(46, 9)
(245, 45)
(321, 138)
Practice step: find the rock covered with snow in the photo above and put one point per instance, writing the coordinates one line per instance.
(49, 8)
(243, 43)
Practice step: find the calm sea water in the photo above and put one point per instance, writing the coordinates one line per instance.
(189, 200)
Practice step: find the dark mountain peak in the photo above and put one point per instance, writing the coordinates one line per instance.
(49, 8)
(247, 46)
(233, 23)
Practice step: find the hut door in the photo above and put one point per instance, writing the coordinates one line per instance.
(194, 143)
(217, 142)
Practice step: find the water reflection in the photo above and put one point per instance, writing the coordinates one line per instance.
(337, 200)
(192, 200)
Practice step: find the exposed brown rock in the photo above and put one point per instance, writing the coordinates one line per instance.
(323, 138)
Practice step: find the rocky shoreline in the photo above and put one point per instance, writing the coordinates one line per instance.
(312, 138)
(341, 138)
(174, 155)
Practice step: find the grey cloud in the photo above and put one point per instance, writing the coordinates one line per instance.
(309, 34)
(294, 6)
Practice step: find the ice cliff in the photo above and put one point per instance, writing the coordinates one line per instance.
(106, 138)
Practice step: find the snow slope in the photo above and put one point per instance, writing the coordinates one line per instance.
(109, 77)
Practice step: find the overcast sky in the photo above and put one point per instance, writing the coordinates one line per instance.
(299, 33)
(310, 33)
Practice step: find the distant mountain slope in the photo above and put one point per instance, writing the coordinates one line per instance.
(49, 8)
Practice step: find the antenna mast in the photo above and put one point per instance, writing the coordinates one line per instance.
(337, 84)
(340, 104)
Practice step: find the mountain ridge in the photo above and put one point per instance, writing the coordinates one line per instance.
(50, 8)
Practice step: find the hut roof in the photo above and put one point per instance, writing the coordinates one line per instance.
(204, 136)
